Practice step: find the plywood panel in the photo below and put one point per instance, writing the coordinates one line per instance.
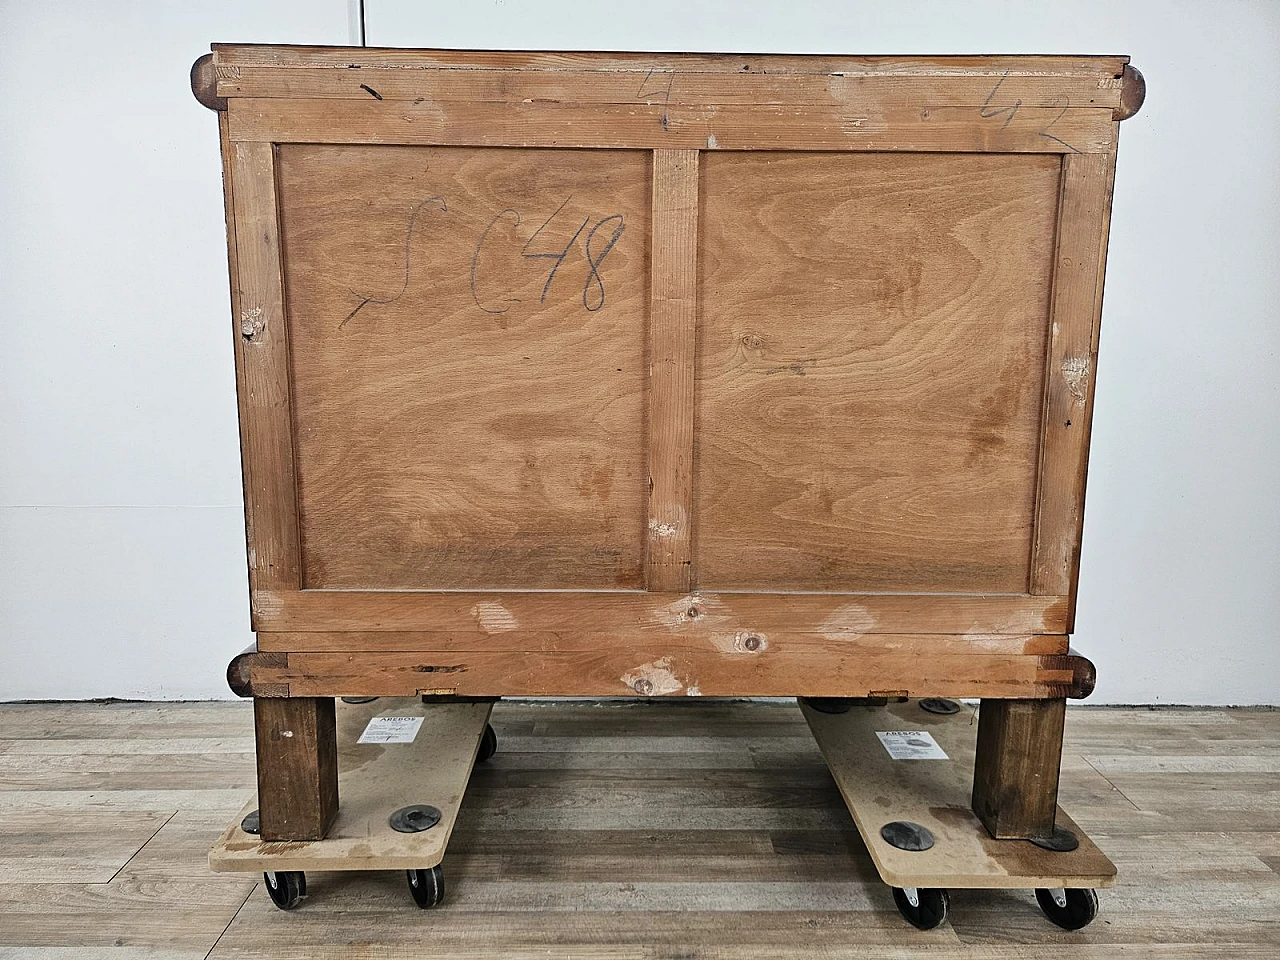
(468, 337)
(870, 370)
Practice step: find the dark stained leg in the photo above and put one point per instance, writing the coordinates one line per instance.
(1015, 773)
(297, 741)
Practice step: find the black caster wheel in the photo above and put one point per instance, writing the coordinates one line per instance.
(286, 888)
(828, 704)
(488, 744)
(924, 907)
(426, 886)
(1069, 909)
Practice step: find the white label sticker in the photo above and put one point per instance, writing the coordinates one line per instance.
(911, 745)
(391, 730)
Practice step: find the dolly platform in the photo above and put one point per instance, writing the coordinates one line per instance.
(915, 818)
(399, 802)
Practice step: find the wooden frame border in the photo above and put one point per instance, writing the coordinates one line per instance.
(673, 318)
(484, 614)
(1084, 214)
(815, 668)
(262, 368)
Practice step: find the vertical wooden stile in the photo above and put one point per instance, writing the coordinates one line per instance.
(262, 369)
(673, 320)
(1072, 357)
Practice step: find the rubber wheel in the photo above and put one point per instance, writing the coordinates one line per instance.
(931, 910)
(286, 888)
(828, 704)
(488, 744)
(426, 886)
(1080, 909)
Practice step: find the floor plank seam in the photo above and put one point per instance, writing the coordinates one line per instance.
(1112, 785)
(144, 846)
(243, 903)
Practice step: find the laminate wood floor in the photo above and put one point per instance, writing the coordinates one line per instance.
(667, 830)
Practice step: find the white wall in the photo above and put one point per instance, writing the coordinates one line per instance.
(122, 570)
(121, 550)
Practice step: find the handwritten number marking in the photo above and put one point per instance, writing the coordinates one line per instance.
(658, 89)
(594, 262)
(987, 112)
(1045, 132)
(557, 257)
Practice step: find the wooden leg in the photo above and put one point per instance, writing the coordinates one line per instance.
(1015, 772)
(297, 739)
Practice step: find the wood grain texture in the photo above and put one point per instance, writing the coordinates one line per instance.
(870, 369)
(673, 313)
(1016, 766)
(750, 665)
(468, 366)
(262, 367)
(297, 751)
(972, 128)
(486, 614)
(231, 56)
(708, 639)
(665, 82)
(1072, 358)
(647, 829)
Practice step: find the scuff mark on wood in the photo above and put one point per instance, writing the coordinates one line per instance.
(252, 323)
(849, 618)
(1075, 371)
(653, 679)
(267, 604)
(493, 617)
(664, 529)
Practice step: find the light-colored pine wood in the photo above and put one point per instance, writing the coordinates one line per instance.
(723, 640)
(489, 613)
(662, 83)
(740, 665)
(1072, 357)
(376, 780)
(262, 370)
(1103, 71)
(1051, 130)
(673, 317)
(935, 794)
